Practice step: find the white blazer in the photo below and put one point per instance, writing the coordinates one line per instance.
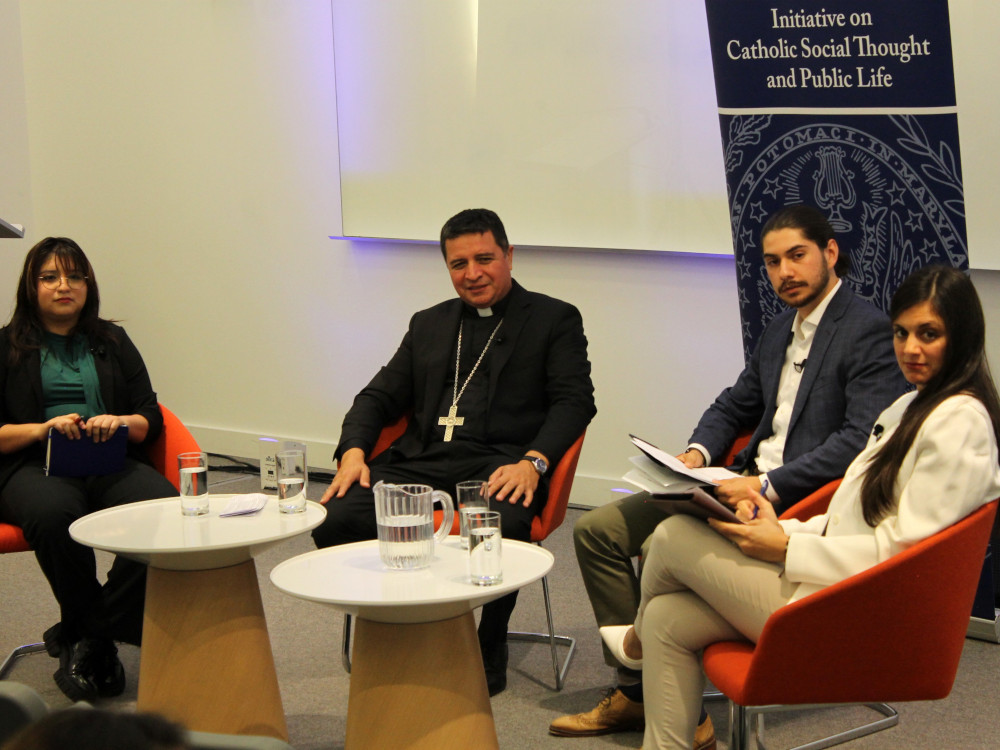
(950, 470)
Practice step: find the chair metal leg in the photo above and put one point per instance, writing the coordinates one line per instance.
(345, 654)
(741, 719)
(739, 727)
(17, 653)
(551, 638)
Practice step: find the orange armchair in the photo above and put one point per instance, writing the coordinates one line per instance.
(742, 441)
(551, 517)
(174, 438)
(828, 648)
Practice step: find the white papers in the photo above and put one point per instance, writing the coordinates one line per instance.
(244, 505)
(658, 471)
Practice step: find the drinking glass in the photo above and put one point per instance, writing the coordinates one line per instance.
(485, 568)
(193, 469)
(292, 476)
(470, 495)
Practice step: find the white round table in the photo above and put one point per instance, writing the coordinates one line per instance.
(417, 679)
(206, 656)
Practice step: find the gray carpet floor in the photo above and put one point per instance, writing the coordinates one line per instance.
(306, 641)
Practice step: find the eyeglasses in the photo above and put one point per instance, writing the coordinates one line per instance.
(73, 280)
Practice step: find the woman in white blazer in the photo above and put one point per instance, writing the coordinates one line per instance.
(931, 460)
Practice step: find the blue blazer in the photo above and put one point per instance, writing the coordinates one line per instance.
(851, 377)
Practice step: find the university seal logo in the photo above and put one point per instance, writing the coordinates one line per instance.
(894, 198)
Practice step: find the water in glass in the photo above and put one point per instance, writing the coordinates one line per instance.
(484, 555)
(291, 495)
(406, 541)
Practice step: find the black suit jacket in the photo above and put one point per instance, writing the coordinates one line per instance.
(125, 389)
(540, 394)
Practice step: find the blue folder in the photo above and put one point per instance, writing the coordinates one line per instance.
(84, 457)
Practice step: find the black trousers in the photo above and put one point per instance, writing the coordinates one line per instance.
(352, 517)
(44, 507)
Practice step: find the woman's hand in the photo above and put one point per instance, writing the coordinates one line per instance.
(70, 425)
(760, 536)
(15, 437)
(103, 426)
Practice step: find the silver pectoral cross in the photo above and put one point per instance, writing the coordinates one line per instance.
(451, 422)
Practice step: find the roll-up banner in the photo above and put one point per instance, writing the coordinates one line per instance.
(849, 107)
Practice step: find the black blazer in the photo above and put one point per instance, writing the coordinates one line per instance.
(125, 389)
(540, 394)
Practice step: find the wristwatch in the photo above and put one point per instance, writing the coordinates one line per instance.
(540, 464)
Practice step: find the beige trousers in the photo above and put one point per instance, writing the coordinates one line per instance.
(697, 588)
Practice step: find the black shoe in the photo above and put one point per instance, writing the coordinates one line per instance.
(495, 664)
(53, 640)
(90, 669)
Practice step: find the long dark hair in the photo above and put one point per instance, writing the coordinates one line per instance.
(964, 370)
(25, 331)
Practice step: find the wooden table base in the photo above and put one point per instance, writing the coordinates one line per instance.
(206, 658)
(420, 687)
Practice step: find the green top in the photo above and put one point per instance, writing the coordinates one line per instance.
(69, 377)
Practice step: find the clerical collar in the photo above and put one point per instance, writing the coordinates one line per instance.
(486, 312)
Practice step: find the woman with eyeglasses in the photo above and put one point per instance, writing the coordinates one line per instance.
(64, 368)
(930, 461)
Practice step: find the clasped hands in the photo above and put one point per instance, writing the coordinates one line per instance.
(760, 535)
(99, 428)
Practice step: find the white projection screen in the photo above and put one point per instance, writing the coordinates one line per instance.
(583, 123)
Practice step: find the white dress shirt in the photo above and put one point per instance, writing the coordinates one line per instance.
(771, 450)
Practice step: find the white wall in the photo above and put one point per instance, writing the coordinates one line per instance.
(189, 148)
(15, 200)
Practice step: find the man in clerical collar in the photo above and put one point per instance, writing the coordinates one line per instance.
(496, 384)
(822, 372)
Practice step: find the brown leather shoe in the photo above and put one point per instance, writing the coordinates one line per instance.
(615, 713)
(704, 735)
